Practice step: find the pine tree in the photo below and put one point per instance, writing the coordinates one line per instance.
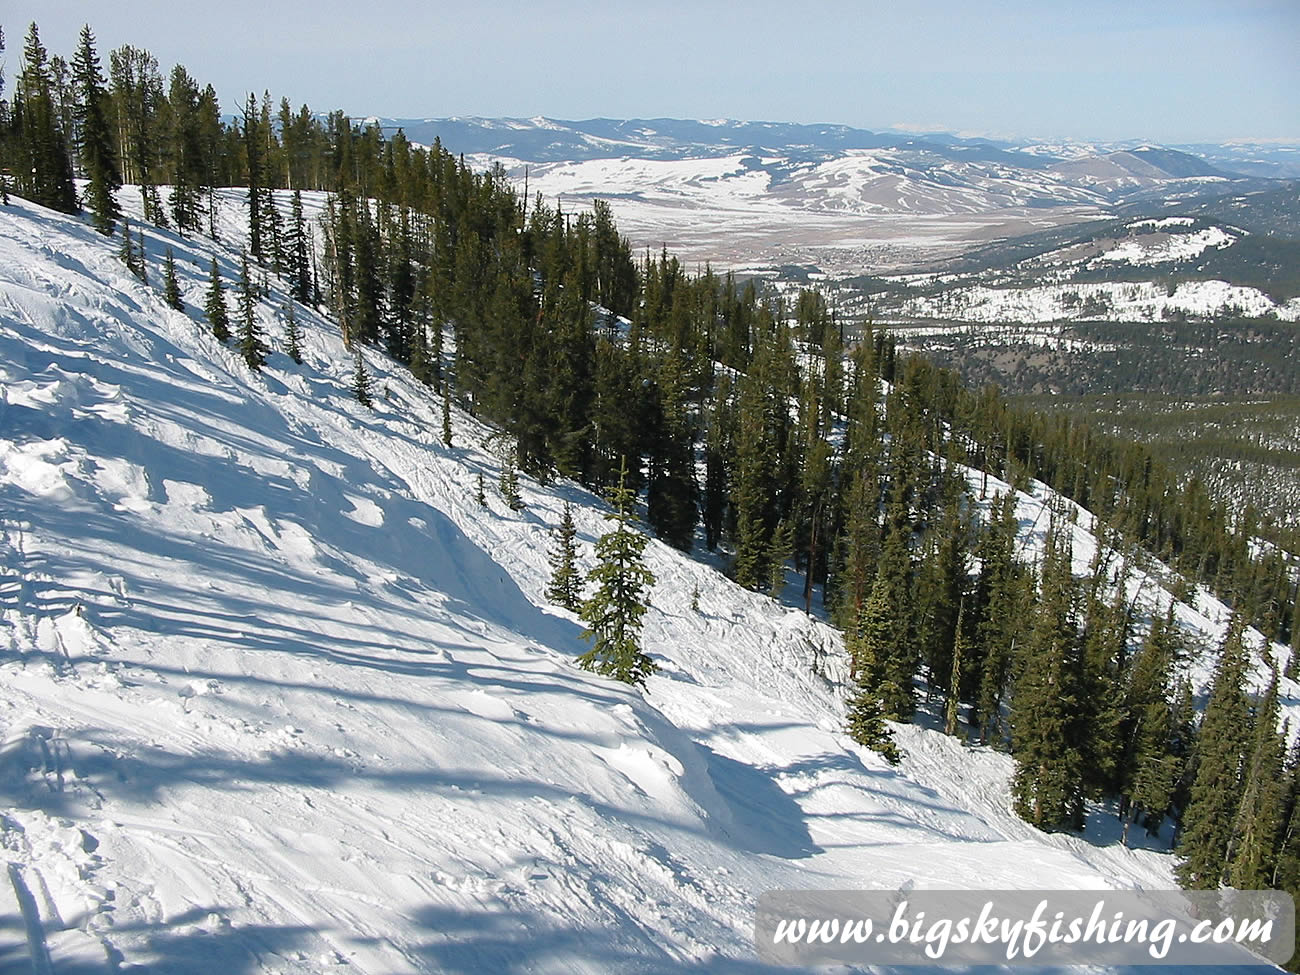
(98, 160)
(960, 651)
(479, 494)
(141, 259)
(251, 346)
(44, 167)
(1047, 710)
(361, 385)
(1220, 758)
(299, 263)
(214, 306)
(782, 548)
(565, 586)
(446, 418)
(1148, 766)
(171, 288)
(292, 333)
(867, 645)
(1258, 820)
(866, 725)
(127, 251)
(508, 484)
(614, 611)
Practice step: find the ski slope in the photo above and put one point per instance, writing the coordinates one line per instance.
(277, 695)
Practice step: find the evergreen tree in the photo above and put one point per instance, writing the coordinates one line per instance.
(614, 611)
(1220, 758)
(98, 160)
(565, 586)
(960, 651)
(361, 384)
(141, 259)
(1149, 766)
(508, 484)
(214, 305)
(171, 288)
(1258, 820)
(1046, 712)
(866, 724)
(782, 548)
(44, 166)
(446, 418)
(127, 251)
(292, 333)
(251, 346)
(299, 244)
(479, 494)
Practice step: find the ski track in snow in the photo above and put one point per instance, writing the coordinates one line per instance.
(278, 696)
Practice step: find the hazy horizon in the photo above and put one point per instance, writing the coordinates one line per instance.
(1197, 71)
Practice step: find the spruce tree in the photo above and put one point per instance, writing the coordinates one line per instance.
(98, 160)
(141, 259)
(44, 167)
(508, 484)
(866, 724)
(479, 495)
(171, 288)
(1047, 710)
(361, 382)
(1258, 819)
(565, 586)
(1220, 758)
(960, 651)
(446, 418)
(251, 346)
(214, 305)
(614, 611)
(1149, 766)
(292, 333)
(867, 644)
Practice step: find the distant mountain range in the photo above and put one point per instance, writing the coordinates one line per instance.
(767, 194)
(542, 139)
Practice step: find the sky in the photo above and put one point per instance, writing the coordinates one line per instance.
(1171, 71)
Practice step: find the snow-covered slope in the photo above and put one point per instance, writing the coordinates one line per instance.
(277, 695)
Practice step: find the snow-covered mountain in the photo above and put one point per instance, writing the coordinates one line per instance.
(763, 195)
(277, 695)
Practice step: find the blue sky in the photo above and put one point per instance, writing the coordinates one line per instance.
(1177, 71)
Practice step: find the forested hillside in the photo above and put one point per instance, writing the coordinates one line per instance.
(858, 481)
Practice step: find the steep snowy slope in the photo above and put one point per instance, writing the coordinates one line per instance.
(277, 695)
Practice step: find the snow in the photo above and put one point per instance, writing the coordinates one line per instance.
(1166, 248)
(1124, 302)
(277, 695)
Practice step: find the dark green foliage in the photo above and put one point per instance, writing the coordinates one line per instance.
(479, 495)
(1221, 755)
(44, 165)
(292, 334)
(1251, 853)
(446, 418)
(171, 289)
(866, 724)
(139, 101)
(614, 611)
(251, 346)
(98, 160)
(566, 585)
(1047, 712)
(1149, 763)
(361, 382)
(508, 485)
(214, 305)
